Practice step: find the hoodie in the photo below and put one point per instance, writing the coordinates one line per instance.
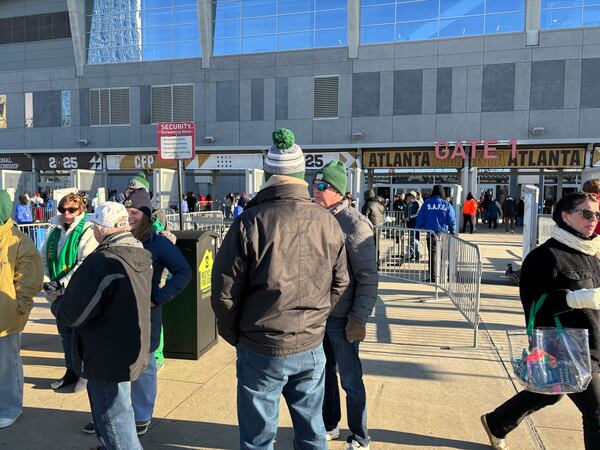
(107, 303)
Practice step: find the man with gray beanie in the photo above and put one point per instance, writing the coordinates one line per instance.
(280, 270)
(346, 326)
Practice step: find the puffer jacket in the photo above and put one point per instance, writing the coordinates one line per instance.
(358, 300)
(21, 275)
(107, 303)
(280, 269)
(553, 268)
(373, 210)
(87, 244)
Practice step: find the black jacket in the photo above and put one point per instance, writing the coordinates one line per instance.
(280, 269)
(509, 208)
(555, 269)
(374, 211)
(107, 302)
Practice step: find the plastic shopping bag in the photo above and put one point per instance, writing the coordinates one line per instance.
(551, 360)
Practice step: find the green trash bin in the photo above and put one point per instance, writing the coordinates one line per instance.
(189, 323)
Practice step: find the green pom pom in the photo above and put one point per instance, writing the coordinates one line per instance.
(283, 138)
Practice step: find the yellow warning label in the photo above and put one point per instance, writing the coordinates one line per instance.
(205, 270)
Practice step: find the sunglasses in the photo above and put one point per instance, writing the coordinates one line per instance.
(63, 210)
(321, 186)
(588, 214)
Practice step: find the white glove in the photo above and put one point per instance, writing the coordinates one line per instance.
(584, 298)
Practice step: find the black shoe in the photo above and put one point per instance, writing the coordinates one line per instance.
(68, 379)
(142, 428)
(89, 428)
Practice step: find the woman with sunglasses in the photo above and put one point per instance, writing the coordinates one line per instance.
(567, 268)
(70, 240)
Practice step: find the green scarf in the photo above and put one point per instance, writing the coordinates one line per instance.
(61, 264)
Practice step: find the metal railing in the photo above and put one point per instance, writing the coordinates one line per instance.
(544, 227)
(207, 220)
(395, 219)
(406, 254)
(459, 276)
(443, 261)
(38, 232)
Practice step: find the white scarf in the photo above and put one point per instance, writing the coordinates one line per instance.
(588, 247)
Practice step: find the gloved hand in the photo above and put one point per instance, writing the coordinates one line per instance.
(355, 331)
(53, 290)
(584, 298)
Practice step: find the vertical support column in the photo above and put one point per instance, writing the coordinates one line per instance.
(353, 28)
(559, 184)
(77, 19)
(513, 186)
(541, 191)
(532, 21)
(473, 184)
(205, 22)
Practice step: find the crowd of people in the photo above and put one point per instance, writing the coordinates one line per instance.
(293, 285)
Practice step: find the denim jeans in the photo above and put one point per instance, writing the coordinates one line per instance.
(344, 355)
(66, 337)
(113, 415)
(261, 382)
(11, 377)
(143, 392)
(511, 413)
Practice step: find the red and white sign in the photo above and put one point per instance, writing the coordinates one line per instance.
(176, 140)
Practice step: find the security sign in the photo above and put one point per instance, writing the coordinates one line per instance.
(176, 140)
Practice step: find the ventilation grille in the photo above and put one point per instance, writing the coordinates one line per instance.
(161, 104)
(183, 103)
(326, 97)
(119, 106)
(109, 106)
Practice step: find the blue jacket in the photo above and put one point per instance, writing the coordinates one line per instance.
(437, 215)
(165, 254)
(23, 214)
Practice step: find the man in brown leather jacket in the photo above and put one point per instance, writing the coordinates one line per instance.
(280, 270)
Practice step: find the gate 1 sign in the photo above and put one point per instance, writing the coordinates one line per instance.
(176, 140)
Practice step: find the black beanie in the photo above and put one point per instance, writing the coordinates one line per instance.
(139, 199)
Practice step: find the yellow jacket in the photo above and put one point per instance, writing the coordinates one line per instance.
(21, 275)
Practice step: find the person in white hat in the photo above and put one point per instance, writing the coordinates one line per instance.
(107, 303)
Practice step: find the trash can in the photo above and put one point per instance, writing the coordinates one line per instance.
(189, 323)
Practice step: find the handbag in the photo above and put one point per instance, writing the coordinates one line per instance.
(550, 360)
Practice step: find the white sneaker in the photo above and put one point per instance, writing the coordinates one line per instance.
(6, 422)
(80, 385)
(353, 445)
(333, 434)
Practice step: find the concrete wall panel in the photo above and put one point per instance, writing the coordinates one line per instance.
(547, 85)
(443, 93)
(366, 88)
(228, 101)
(498, 93)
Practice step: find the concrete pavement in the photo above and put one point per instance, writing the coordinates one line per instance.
(420, 395)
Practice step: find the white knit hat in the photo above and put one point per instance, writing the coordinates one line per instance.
(285, 157)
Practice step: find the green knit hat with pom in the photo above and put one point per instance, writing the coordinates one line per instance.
(285, 157)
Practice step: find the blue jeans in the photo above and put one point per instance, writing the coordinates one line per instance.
(66, 337)
(11, 377)
(344, 355)
(261, 381)
(113, 415)
(143, 392)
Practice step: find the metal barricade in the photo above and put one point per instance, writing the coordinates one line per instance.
(395, 219)
(545, 224)
(406, 254)
(443, 261)
(459, 276)
(38, 232)
(206, 220)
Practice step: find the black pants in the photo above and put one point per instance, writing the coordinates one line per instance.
(467, 219)
(493, 222)
(509, 415)
(432, 244)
